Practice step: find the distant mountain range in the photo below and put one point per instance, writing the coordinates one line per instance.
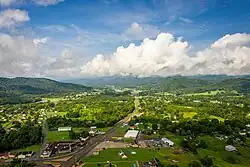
(196, 83)
(20, 88)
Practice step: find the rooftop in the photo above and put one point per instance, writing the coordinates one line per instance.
(131, 134)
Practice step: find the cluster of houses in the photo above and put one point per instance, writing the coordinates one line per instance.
(20, 155)
(64, 147)
(20, 117)
(152, 163)
(163, 142)
(55, 148)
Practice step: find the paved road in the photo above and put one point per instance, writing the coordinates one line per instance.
(92, 143)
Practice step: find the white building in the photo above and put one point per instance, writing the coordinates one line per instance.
(131, 134)
(93, 131)
(21, 156)
(168, 142)
(63, 129)
(230, 148)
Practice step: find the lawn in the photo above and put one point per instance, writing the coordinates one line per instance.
(215, 117)
(142, 155)
(175, 138)
(54, 99)
(189, 114)
(57, 136)
(112, 155)
(118, 164)
(79, 130)
(120, 131)
(209, 93)
(215, 149)
(34, 148)
(61, 113)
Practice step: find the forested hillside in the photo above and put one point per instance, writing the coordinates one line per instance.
(20, 89)
(197, 83)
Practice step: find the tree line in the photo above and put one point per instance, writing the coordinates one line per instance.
(24, 136)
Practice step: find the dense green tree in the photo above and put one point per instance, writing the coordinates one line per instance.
(194, 164)
(19, 163)
(26, 135)
(154, 126)
(84, 134)
(202, 144)
(72, 134)
(207, 161)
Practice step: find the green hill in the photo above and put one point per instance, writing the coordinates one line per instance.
(186, 84)
(21, 89)
(241, 85)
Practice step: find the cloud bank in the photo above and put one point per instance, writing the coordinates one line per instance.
(21, 56)
(13, 17)
(47, 2)
(138, 32)
(167, 55)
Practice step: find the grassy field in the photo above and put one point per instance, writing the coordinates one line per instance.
(189, 114)
(112, 155)
(61, 113)
(209, 93)
(57, 136)
(64, 136)
(120, 132)
(78, 130)
(176, 139)
(216, 149)
(215, 117)
(34, 148)
(142, 155)
(54, 99)
(116, 163)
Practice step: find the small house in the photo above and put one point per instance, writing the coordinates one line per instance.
(92, 133)
(168, 142)
(28, 153)
(3, 156)
(21, 156)
(84, 139)
(46, 154)
(93, 128)
(64, 129)
(12, 155)
(230, 148)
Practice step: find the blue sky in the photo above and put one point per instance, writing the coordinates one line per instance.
(91, 27)
(198, 21)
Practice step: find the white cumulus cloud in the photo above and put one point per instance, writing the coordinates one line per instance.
(13, 17)
(65, 65)
(20, 56)
(40, 41)
(232, 40)
(167, 55)
(138, 32)
(47, 2)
